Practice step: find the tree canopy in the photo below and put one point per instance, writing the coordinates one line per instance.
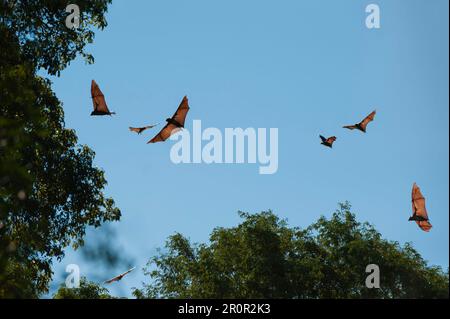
(50, 190)
(264, 258)
(40, 29)
(87, 290)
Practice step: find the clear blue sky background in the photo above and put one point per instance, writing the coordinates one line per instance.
(305, 67)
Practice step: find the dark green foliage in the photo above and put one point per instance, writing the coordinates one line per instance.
(87, 290)
(264, 258)
(50, 190)
(42, 33)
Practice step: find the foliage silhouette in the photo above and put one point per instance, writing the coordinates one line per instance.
(39, 26)
(263, 258)
(50, 191)
(87, 290)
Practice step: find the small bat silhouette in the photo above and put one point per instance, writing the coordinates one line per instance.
(118, 278)
(174, 124)
(420, 215)
(363, 124)
(328, 141)
(139, 130)
(98, 99)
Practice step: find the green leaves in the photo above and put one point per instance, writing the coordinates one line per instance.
(87, 290)
(50, 191)
(44, 38)
(263, 258)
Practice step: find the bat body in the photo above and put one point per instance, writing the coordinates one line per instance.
(420, 215)
(328, 141)
(118, 278)
(174, 124)
(139, 130)
(99, 102)
(362, 126)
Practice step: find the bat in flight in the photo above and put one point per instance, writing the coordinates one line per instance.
(420, 215)
(363, 124)
(98, 99)
(328, 141)
(174, 124)
(139, 130)
(118, 278)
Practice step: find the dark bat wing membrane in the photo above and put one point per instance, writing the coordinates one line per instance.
(181, 113)
(165, 133)
(323, 138)
(350, 127)
(419, 208)
(98, 99)
(369, 118)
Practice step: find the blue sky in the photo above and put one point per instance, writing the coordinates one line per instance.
(304, 67)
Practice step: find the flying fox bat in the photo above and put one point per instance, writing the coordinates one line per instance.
(139, 130)
(328, 141)
(420, 215)
(98, 99)
(363, 124)
(174, 124)
(118, 278)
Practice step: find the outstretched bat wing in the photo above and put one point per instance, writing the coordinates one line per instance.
(112, 280)
(331, 140)
(369, 118)
(323, 139)
(424, 225)
(418, 202)
(117, 278)
(350, 127)
(419, 209)
(136, 129)
(98, 99)
(128, 271)
(169, 129)
(151, 126)
(139, 130)
(181, 113)
(165, 133)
